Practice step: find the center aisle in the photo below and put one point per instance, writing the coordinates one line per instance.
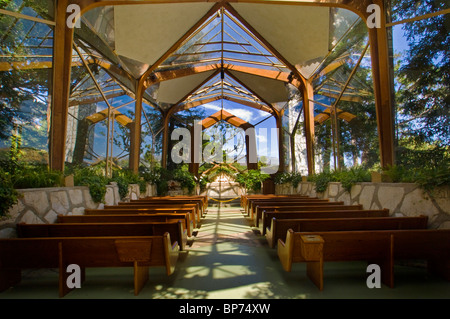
(226, 259)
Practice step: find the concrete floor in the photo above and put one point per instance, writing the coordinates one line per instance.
(228, 259)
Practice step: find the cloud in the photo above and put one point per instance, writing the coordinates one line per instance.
(247, 115)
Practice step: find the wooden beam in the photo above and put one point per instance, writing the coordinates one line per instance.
(135, 130)
(165, 145)
(297, 75)
(180, 42)
(308, 108)
(26, 17)
(381, 79)
(62, 56)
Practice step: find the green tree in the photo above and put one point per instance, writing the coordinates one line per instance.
(424, 73)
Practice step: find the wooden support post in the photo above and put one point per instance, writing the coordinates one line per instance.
(308, 112)
(62, 61)
(135, 130)
(165, 149)
(382, 88)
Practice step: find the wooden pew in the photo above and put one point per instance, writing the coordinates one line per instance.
(381, 247)
(289, 202)
(169, 201)
(279, 227)
(130, 218)
(195, 209)
(361, 213)
(174, 228)
(202, 198)
(274, 201)
(259, 207)
(247, 200)
(59, 252)
(305, 208)
(138, 210)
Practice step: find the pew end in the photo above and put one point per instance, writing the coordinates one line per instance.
(285, 250)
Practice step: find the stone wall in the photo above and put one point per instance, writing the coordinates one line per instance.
(402, 199)
(43, 205)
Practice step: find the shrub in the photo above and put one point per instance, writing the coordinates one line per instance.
(160, 176)
(354, 175)
(285, 177)
(321, 180)
(252, 179)
(347, 178)
(124, 178)
(8, 194)
(36, 176)
(94, 178)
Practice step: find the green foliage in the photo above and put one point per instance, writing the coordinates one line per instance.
(124, 178)
(350, 177)
(94, 178)
(8, 194)
(285, 177)
(252, 179)
(36, 176)
(160, 176)
(185, 178)
(428, 178)
(423, 73)
(321, 180)
(347, 178)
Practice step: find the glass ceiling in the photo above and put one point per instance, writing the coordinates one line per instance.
(223, 41)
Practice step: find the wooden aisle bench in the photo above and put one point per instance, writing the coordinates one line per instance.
(309, 208)
(174, 228)
(195, 209)
(290, 202)
(281, 201)
(279, 227)
(381, 247)
(267, 217)
(194, 206)
(59, 252)
(247, 199)
(167, 202)
(133, 210)
(258, 208)
(129, 218)
(202, 198)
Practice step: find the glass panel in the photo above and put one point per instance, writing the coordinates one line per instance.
(406, 9)
(341, 21)
(25, 90)
(92, 134)
(151, 137)
(267, 145)
(421, 92)
(357, 136)
(44, 9)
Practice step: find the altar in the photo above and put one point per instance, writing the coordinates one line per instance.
(223, 187)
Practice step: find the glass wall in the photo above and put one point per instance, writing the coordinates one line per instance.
(420, 49)
(26, 45)
(345, 114)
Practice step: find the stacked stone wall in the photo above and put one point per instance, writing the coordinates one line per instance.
(43, 205)
(402, 199)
